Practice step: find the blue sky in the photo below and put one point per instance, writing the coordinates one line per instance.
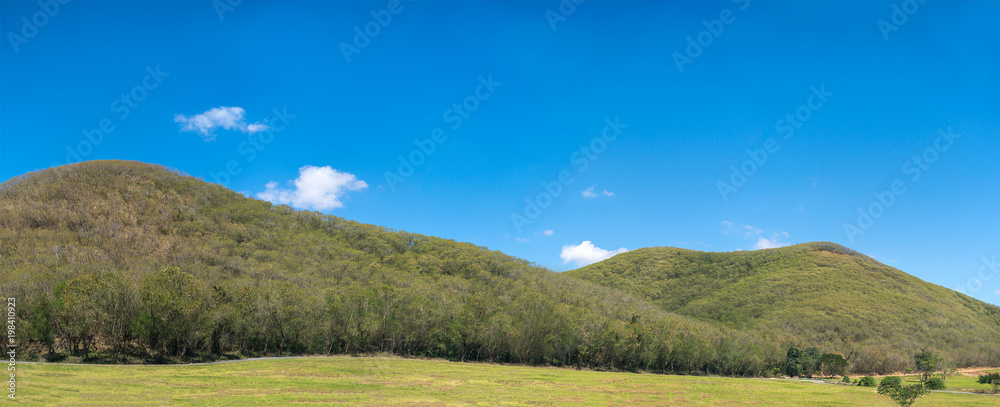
(621, 130)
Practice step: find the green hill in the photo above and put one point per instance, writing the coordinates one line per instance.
(114, 261)
(820, 293)
(117, 261)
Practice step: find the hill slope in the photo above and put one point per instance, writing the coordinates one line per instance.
(114, 261)
(125, 261)
(821, 293)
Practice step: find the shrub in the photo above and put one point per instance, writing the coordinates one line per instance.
(991, 379)
(890, 381)
(934, 383)
(905, 396)
(846, 379)
(867, 381)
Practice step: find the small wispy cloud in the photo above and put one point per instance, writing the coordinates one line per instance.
(749, 232)
(765, 243)
(549, 232)
(589, 193)
(222, 117)
(521, 239)
(318, 188)
(586, 253)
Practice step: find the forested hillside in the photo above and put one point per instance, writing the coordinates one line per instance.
(823, 294)
(116, 261)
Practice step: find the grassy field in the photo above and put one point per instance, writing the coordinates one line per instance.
(394, 381)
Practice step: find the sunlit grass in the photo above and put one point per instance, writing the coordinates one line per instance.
(395, 381)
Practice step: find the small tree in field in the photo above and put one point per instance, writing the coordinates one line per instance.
(927, 363)
(992, 379)
(905, 396)
(832, 364)
(890, 381)
(947, 369)
(935, 383)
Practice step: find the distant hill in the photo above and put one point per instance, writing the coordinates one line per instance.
(821, 293)
(118, 261)
(126, 261)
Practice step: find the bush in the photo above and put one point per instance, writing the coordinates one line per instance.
(890, 381)
(992, 379)
(867, 381)
(846, 379)
(934, 383)
(905, 396)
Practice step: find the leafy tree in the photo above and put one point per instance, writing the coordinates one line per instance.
(810, 361)
(793, 364)
(905, 396)
(41, 322)
(846, 380)
(173, 318)
(947, 369)
(867, 381)
(927, 362)
(934, 383)
(890, 381)
(832, 364)
(992, 379)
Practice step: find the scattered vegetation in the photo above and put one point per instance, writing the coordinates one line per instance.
(992, 379)
(377, 381)
(905, 396)
(927, 363)
(818, 295)
(890, 381)
(130, 262)
(866, 381)
(934, 383)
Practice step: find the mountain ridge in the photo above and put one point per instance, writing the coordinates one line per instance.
(826, 293)
(91, 248)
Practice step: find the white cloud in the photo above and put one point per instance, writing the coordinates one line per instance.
(750, 232)
(224, 117)
(586, 253)
(997, 292)
(765, 243)
(521, 239)
(549, 232)
(590, 194)
(318, 188)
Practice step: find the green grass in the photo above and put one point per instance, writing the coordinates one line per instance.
(394, 381)
(955, 383)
